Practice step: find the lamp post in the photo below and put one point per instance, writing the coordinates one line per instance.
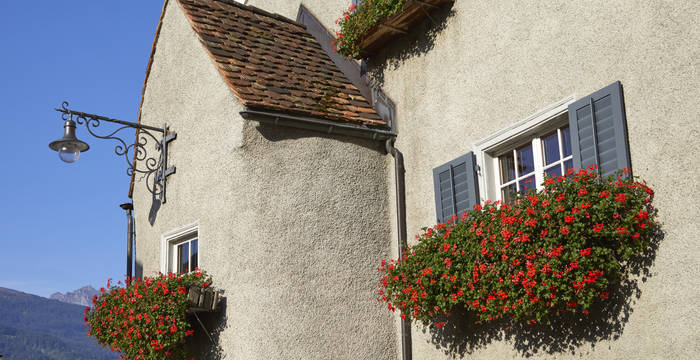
(154, 168)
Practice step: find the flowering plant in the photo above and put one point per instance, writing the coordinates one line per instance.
(145, 318)
(356, 22)
(557, 250)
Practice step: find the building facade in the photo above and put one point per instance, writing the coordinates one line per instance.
(292, 223)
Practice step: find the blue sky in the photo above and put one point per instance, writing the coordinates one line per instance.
(61, 223)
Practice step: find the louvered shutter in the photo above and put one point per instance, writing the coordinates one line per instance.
(456, 187)
(599, 130)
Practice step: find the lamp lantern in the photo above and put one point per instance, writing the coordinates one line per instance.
(69, 146)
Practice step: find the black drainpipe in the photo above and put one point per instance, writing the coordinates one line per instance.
(400, 180)
(129, 237)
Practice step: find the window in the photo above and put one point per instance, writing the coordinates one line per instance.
(524, 168)
(567, 134)
(519, 157)
(180, 250)
(186, 256)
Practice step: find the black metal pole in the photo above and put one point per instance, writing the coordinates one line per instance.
(129, 237)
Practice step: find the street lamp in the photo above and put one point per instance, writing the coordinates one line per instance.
(154, 168)
(69, 147)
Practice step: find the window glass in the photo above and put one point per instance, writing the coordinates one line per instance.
(554, 170)
(508, 193)
(550, 148)
(194, 263)
(526, 161)
(568, 164)
(566, 141)
(507, 167)
(523, 169)
(183, 257)
(527, 184)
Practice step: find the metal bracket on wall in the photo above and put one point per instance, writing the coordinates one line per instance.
(154, 168)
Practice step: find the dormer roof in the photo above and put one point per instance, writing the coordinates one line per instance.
(272, 63)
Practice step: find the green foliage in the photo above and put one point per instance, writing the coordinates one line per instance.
(554, 251)
(145, 318)
(354, 26)
(36, 328)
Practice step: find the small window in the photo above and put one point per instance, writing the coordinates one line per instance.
(568, 134)
(180, 250)
(524, 168)
(185, 258)
(518, 158)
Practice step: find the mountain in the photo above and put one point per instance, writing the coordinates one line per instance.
(37, 328)
(82, 296)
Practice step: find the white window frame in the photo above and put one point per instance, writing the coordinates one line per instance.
(530, 129)
(170, 240)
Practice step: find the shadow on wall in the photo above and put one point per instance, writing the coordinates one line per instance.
(206, 342)
(138, 269)
(566, 334)
(279, 133)
(419, 40)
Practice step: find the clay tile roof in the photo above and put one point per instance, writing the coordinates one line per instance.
(273, 63)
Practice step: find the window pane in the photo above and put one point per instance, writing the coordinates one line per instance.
(507, 167)
(183, 255)
(554, 170)
(550, 148)
(527, 184)
(526, 162)
(566, 141)
(508, 193)
(194, 258)
(568, 164)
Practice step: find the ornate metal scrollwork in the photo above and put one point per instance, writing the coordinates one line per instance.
(154, 168)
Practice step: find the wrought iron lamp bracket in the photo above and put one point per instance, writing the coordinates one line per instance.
(154, 168)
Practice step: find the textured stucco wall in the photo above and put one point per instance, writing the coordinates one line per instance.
(327, 11)
(485, 65)
(292, 224)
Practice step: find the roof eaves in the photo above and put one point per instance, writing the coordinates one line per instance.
(317, 124)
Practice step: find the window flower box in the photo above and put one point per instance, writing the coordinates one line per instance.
(376, 22)
(203, 299)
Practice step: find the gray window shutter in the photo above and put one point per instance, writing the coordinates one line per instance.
(456, 187)
(599, 131)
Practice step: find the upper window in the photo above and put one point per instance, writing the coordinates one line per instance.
(185, 256)
(524, 168)
(518, 158)
(590, 131)
(180, 250)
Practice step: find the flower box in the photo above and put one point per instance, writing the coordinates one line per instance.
(372, 34)
(203, 299)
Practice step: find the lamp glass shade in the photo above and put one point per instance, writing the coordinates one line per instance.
(69, 153)
(69, 147)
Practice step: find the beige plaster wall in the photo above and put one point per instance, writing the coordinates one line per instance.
(326, 11)
(292, 224)
(484, 65)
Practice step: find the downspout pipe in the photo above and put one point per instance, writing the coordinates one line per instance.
(400, 182)
(129, 237)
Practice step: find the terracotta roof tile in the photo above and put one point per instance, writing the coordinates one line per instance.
(273, 63)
